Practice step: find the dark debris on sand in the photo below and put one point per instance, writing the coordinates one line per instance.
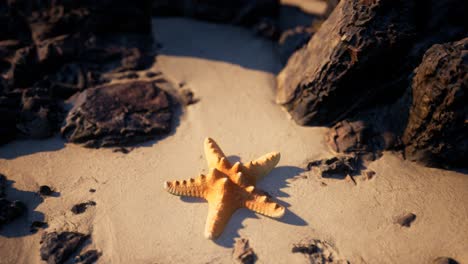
(242, 252)
(81, 207)
(405, 219)
(319, 252)
(57, 247)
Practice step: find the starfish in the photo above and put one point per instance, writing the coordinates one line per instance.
(229, 187)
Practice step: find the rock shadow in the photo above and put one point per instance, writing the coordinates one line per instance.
(272, 184)
(20, 148)
(22, 225)
(227, 44)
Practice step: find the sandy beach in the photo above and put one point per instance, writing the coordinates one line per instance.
(136, 221)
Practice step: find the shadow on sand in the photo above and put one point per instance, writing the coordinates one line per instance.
(22, 225)
(273, 184)
(215, 42)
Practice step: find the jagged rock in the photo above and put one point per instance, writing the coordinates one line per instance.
(242, 252)
(118, 114)
(50, 50)
(40, 114)
(360, 138)
(57, 248)
(336, 72)
(243, 12)
(437, 129)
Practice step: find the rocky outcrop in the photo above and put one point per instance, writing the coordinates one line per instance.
(118, 114)
(50, 50)
(336, 73)
(239, 12)
(437, 129)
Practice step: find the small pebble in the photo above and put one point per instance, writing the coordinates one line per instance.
(45, 190)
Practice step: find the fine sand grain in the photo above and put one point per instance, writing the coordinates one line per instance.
(232, 73)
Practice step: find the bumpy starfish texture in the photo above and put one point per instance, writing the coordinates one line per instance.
(229, 187)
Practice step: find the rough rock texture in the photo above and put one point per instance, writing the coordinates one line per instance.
(118, 114)
(336, 167)
(50, 50)
(437, 129)
(329, 77)
(241, 12)
(58, 247)
(353, 137)
(242, 252)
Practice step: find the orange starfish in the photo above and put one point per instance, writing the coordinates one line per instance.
(229, 187)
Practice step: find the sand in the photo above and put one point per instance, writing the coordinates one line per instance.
(232, 73)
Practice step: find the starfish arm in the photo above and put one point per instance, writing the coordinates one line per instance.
(221, 207)
(213, 153)
(262, 204)
(193, 187)
(259, 168)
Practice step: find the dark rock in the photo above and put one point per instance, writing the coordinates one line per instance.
(357, 137)
(81, 207)
(40, 114)
(53, 49)
(9, 210)
(242, 252)
(122, 150)
(336, 167)
(319, 252)
(239, 12)
(58, 247)
(92, 190)
(89, 257)
(405, 219)
(118, 114)
(3, 185)
(444, 260)
(331, 77)
(36, 225)
(437, 129)
(45, 190)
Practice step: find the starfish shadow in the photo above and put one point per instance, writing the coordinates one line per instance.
(272, 184)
